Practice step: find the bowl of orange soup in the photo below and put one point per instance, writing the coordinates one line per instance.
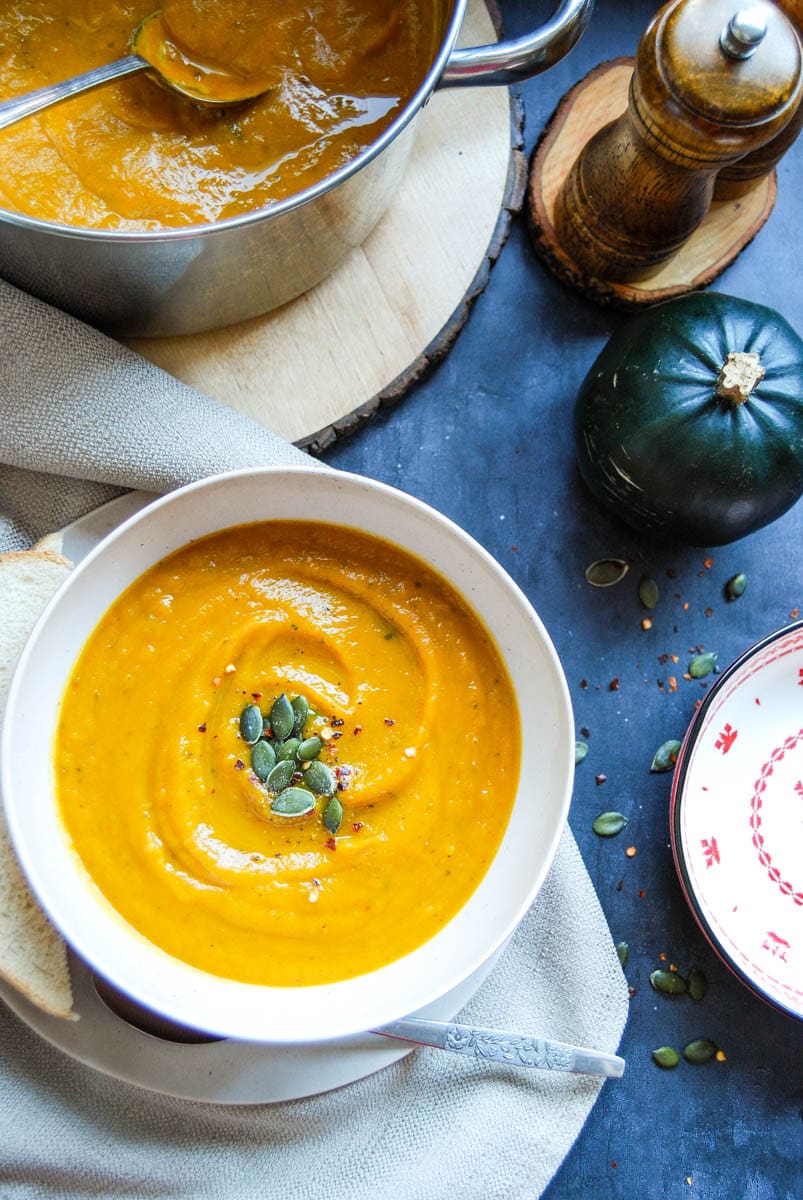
(288, 756)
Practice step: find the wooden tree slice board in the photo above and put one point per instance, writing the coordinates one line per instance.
(319, 366)
(728, 227)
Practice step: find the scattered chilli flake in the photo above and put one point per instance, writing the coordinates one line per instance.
(600, 779)
(389, 721)
(794, 614)
(673, 683)
(202, 728)
(708, 563)
(238, 764)
(357, 826)
(357, 729)
(613, 686)
(331, 844)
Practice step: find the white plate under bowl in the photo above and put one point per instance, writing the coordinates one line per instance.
(226, 1008)
(737, 818)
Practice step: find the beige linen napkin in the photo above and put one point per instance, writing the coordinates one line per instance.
(81, 418)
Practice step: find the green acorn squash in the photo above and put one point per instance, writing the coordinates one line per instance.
(689, 425)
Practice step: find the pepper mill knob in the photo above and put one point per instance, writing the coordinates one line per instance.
(709, 86)
(745, 32)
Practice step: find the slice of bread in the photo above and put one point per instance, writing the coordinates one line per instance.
(32, 955)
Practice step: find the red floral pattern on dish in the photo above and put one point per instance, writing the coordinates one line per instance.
(756, 804)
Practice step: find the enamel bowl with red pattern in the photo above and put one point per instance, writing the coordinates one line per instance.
(737, 818)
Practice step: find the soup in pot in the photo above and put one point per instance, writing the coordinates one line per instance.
(132, 155)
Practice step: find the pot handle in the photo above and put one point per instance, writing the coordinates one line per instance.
(510, 62)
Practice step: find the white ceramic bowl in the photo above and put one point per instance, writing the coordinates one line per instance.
(737, 833)
(224, 1007)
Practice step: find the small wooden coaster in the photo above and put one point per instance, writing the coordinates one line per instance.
(320, 366)
(728, 227)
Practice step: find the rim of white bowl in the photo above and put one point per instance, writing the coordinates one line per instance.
(676, 804)
(227, 1008)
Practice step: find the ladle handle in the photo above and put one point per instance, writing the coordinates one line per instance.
(513, 1049)
(32, 102)
(510, 62)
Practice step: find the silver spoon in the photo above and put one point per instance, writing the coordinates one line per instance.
(514, 1049)
(152, 49)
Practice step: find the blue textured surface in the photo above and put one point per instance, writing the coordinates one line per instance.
(487, 439)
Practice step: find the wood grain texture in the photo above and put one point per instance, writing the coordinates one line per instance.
(317, 368)
(730, 225)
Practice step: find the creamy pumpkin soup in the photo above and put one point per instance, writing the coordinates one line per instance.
(133, 155)
(288, 753)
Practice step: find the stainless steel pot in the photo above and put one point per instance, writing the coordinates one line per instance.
(206, 276)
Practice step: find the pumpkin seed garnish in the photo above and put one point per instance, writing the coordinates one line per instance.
(665, 757)
(668, 983)
(250, 724)
(263, 759)
(666, 1057)
(698, 984)
(310, 748)
(319, 779)
(735, 586)
(300, 707)
(333, 814)
(623, 951)
(279, 778)
(605, 572)
(288, 749)
(703, 664)
(648, 592)
(701, 1050)
(282, 718)
(293, 802)
(608, 824)
(580, 751)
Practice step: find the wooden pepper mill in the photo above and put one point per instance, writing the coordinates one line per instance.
(711, 84)
(738, 179)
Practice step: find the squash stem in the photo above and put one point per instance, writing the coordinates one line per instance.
(738, 375)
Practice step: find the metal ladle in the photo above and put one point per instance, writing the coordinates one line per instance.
(152, 49)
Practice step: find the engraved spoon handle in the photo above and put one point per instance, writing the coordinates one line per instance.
(32, 102)
(515, 1049)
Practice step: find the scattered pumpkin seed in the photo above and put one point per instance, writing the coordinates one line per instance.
(250, 724)
(668, 983)
(293, 802)
(580, 751)
(279, 778)
(608, 824)
(703, 664)
(282, 718)
(263, 760)
(320, 779)
(310, 748)
(701, 1050)
(333, 814)
(605, 572)
(623, 951)
(288, 749)
(698, 984)
(648, 592)
(665, 757)
(666, 1057)
(300, 708)
(735, 586)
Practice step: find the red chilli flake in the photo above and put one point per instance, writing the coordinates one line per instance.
(357, 826)
(389, 721)
(600, 779)
(202, 728)
(357, 729)
(613, 686)
(331, 844)
(239, 765)
(336, 722)
(256, 695)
